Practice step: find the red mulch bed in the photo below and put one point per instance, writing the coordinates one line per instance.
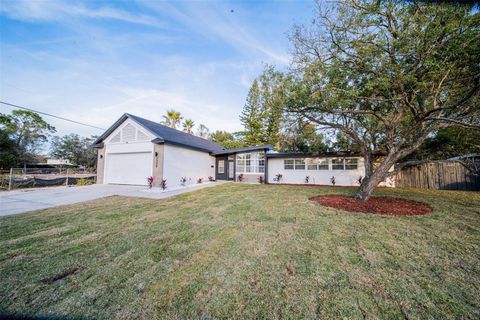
(375, 205)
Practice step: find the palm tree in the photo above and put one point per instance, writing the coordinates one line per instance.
(188, 126)
(172, 118)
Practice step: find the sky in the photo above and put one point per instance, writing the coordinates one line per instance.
(92, 61)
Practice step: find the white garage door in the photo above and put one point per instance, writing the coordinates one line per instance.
(128, 168)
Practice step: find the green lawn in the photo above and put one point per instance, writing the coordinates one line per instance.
(243, 251)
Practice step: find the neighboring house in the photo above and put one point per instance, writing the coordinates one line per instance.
(134, 148)
(58, 162)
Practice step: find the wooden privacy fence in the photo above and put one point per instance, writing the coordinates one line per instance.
(444, 175)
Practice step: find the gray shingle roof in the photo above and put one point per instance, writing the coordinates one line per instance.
(167, 134)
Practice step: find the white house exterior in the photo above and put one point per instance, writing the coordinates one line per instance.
(133, 149)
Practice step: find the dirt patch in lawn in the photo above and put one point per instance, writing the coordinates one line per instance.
(375, 205)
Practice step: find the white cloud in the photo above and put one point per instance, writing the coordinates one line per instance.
(211, 21)
(59, 10)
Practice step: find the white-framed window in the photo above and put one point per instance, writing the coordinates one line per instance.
(317, 164)
(294, 164)
(351, 164)
(252, 162)
(221, 166)
(288, 164)
(299, 164)
(338, 164)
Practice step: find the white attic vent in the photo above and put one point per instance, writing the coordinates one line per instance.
(141, 136)
(116, 138)
(128, 133)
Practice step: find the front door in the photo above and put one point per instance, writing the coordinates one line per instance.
(221, 170)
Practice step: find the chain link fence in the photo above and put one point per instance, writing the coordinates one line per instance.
(20, 178)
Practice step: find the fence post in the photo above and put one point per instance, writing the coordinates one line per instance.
(66, 180)
(10, 180)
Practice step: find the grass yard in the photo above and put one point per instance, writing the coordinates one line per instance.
(243, 251)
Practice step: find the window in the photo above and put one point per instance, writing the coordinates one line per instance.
(338, 164)
(351, 164)
(317, 164)
(253, 162)
(312, 164)
(221, 166)
(288, 164)
(322, 164)
(299, 164)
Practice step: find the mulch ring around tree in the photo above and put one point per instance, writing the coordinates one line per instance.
(375, 205)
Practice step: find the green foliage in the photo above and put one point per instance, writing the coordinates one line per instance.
(172, 118)
(22, 134)
(387, 74)
(83, 182)
(74, 148)
(299, 135)
(188, 125)
(450, 142)
(263, 111)
(226, 139)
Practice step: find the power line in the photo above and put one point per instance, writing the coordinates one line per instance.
(50, 115)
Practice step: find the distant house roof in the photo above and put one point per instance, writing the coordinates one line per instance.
(470, 155)
(164, 134)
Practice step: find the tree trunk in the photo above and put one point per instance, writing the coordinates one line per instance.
(371, 181)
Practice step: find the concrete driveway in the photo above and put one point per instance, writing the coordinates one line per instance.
(14, 202)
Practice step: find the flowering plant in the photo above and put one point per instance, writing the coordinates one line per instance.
(150, 182)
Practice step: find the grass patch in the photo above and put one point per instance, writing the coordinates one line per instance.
(243, 251)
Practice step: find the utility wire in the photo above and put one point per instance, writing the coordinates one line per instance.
(50, 115)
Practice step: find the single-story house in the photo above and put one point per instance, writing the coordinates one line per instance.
(134, 148)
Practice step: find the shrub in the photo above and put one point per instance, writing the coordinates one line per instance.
(183, 180)
(82, 182)
(150, 182)
(278, 177)
(332, 180)
(307, 179)
(210, 178)
(163, 184)
(240, 177)
(200, 180)
(260, 179)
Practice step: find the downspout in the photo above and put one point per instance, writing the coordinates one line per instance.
(265, 174)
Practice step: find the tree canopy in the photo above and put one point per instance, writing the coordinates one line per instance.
(22, 135)
(76, 149)
(387, 74)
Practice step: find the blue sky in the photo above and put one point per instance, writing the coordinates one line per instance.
(93, 61)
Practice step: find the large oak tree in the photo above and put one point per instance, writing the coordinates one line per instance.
(387, 74)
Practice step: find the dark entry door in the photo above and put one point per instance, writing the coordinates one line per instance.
(221, 172)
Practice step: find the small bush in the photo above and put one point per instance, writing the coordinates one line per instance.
(240, 177)
(183, 180)
(278, 177)
(332, 180)
(82, 182)
(163, 184)
(210, 178)
(307, 179)
(200, 180)
(261, 180)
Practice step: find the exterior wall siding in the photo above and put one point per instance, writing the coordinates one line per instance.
(181, 162)
(342, 177)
